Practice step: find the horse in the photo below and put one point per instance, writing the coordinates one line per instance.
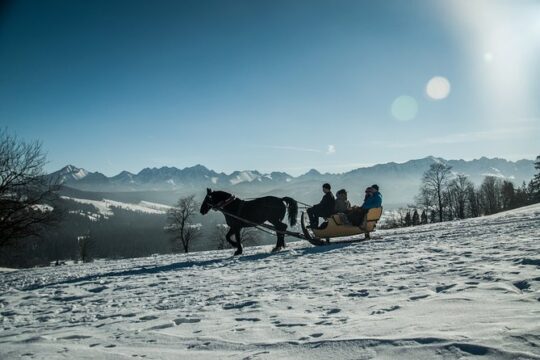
(257, 211)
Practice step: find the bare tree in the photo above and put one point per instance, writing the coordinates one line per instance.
(180, 224)
(86, 246)
(250, 236)
(219, 236)
(27, 197)
(508, 195)
(491, 195)
(473, 198)
(434, 184)
(458, 189)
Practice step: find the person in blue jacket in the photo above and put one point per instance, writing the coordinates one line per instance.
(372, 200)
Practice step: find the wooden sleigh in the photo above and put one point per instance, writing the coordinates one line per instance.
(336, 228)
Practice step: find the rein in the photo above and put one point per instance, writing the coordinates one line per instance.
(220, 205)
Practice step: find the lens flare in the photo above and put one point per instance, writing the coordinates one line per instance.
(404, 108)
(438, 88)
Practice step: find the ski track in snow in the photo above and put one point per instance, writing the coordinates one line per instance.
(460, 289)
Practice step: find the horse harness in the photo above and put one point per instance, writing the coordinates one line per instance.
(221, 205)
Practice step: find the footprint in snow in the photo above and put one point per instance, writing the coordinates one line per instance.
(97, 289)
(160, 327)
(290, 325)
(444, 287)
(248, 319)
(75, 337)
(382, 311)
(186, 321)
(522, 285)
(241, 305)
(324, 322)
(361, 293)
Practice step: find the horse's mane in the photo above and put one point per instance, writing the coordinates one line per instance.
(220, 195)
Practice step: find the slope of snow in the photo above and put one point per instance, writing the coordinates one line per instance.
(155, 206)
(101, 206)
(461, 289)
(104, 207)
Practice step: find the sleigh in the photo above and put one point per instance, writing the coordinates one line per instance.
(337, 229)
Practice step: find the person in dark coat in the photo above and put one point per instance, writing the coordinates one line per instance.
(323, 209)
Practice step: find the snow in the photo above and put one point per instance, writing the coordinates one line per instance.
(42, 207)
(244, 176)
(104, 207)
(80, 174)
(214, 180)
(155, 206)
(460, 289)
(101, 206)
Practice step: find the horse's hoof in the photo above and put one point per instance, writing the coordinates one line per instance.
(238, 252)
(276, 249)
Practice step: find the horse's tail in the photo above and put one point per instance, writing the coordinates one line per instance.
(292, 209)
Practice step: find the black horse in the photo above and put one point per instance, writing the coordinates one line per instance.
(268, 208)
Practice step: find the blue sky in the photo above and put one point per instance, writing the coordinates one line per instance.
(270, 85)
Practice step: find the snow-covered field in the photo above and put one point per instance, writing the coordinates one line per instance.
(444, 291)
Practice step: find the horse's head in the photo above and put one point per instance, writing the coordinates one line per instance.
(212, 199)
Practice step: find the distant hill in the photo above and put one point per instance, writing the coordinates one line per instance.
(399, 183)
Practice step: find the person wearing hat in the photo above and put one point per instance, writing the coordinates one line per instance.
(323, 209)
(342, 204)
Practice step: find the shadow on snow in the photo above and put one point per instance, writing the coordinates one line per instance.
(220, 262)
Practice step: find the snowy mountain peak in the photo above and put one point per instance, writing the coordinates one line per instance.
(70, 172)
(244, 176)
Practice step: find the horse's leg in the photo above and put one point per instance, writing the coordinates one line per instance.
(228, 237)
(238, 242)
(280, 236)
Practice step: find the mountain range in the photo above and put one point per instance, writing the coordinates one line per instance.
(399, 183)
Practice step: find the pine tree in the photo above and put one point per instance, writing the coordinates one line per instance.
(508, 195)
(432, 217)
(423, 217)
(415, 218)
(408, 220)
(535, 182)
